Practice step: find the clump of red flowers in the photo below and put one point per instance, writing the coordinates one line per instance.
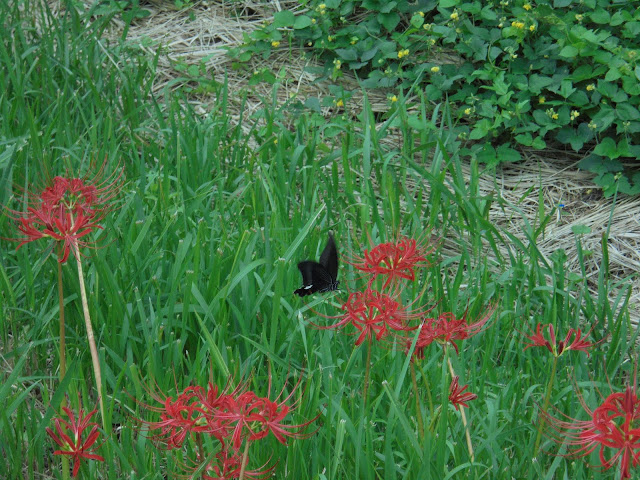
(613, 428)
(233, 418)
(393, 260)
(68, 210)
(376, 314)
(458, 396)
(574, 340)
(446, 328)
(72, 438)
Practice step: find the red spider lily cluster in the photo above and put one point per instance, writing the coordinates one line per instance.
(573, 341)
(375, 314)
(230, 417)
(458, 396)
(613, 429)
(379, 313)
(393, 260)
(67, 211)
(445, 329)
(70, 437)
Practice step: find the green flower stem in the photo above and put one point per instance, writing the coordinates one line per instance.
(63, 360)
(415, 393)
(545, 405)
(367, 371)
(464, 417)
(92, 343)
(244, 460)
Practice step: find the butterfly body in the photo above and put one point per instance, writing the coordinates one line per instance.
(318, 277)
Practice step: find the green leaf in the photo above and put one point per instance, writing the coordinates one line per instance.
(507, 154)
(637, 72)
(368, 54)
(539, 143)
(449, 3)
(561, 3)
(481, 130)
(600, 16)
(607, 148)
(488, 155)
(569, 51)
(612, 74)
(284, 18)
(627, 112)
(303, 21)
(389, 20)
(347, 54)
(566, 88)
(538, 82)
(524, 139)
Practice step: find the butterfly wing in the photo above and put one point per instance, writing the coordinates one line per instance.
(315, 278)
(320, 277)
(329, 258)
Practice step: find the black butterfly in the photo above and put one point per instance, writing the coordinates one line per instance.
(320, 277)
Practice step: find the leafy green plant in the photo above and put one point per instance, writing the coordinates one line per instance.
(520, 73)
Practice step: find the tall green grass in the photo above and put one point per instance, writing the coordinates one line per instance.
(193, 276)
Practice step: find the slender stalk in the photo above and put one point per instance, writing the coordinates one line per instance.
(415, 393)
(63, 359)
(545, 405)
(367, 371)
(95, 359)
(464, 417)
(244, 460)
(63, 356)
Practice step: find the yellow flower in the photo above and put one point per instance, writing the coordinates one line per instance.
(340, 103)
(275, 141)
(541, 100)
(467, 111)
(527, 6)
(435, 69)
(454, 16)
(421, 14)
(427, 26)
(579, 17)
(394, 99)
(403, 53)
(591, 87)
(337, 64)
(313, 20)
(330, 38)
(592, 125)
(518, 25)
(552, 113)
(275, 44)
(322, 6)
(532, 28)
(554, 116)
(574, 114)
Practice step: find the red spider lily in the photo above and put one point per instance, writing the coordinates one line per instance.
(394, 260)
(179, 418)
(614, 429)
(375, 314)
(69, 437)
(577, 343)
(445, 329)
(228, 465)
(254, 417)
(68, 210)
(458, 396)
(228, 416)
